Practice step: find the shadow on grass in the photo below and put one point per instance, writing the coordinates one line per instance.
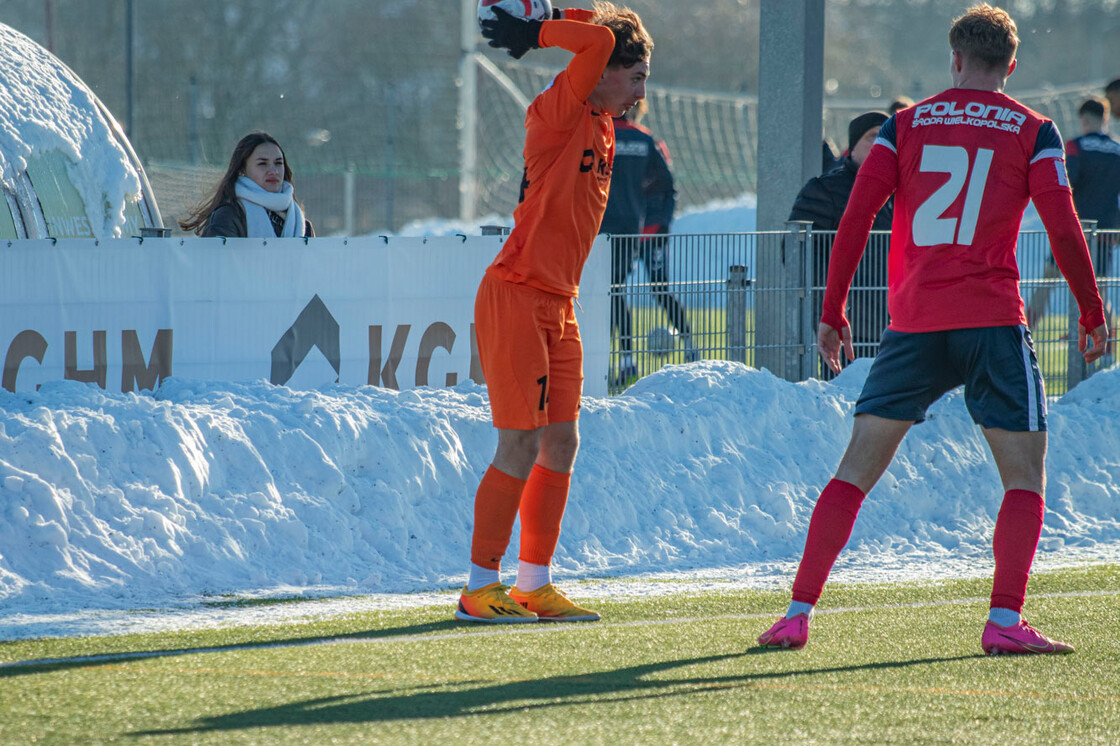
(48, 665)
(620, 685)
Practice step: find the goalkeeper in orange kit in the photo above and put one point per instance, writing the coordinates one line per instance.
(528, 338)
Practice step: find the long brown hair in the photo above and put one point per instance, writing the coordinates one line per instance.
(226, 193)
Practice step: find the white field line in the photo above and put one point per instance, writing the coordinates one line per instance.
(503, 629)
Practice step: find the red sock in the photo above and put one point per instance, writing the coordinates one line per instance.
(829, 530)
(1018, 526)
(495, 509)
(542, 509)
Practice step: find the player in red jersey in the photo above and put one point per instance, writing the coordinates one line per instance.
(962, 166)
(528, 339)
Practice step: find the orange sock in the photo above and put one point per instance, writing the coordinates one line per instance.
(495, 509)
(542, 509)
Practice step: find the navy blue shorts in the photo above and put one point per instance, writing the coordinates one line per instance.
(996, 365)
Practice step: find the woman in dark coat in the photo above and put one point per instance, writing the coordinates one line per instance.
(255, 198)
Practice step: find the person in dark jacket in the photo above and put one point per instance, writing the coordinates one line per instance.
(1093, 165)
(641, 202)
(828, 156)
(822, 201)
(255, 198)
(1093, 168)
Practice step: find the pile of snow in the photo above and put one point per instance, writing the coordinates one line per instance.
(119, 501)
(722, 216)
(705, 474)
(451, 227)
(45, 107)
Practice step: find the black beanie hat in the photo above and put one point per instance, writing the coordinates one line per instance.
(858, 127)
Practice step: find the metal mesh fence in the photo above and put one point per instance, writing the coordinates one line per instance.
(682, 297)
(367, 185)
(679, 298)
(1052, 311)
(867, 299)
(713, 137)
(364, 95)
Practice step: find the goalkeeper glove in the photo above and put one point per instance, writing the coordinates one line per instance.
(512, 34)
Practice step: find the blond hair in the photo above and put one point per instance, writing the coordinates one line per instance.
(632, 43)
(986, 35)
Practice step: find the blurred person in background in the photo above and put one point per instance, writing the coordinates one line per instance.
(641, 201)
(1093, 166)
(899, 103)
(822, 202)
(255, 198)
(962, 165)
(1112, 93)
(528, 336)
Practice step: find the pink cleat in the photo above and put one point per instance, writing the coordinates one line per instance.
(790, 633)
(1019, 639)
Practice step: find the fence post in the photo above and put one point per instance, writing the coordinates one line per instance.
(468, 110)
(349, 192)
(777, 306)
(801, 232)
(737, 283)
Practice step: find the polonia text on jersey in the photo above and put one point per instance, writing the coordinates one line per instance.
(973, 113)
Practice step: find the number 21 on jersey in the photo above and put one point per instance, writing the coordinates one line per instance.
(929, 228)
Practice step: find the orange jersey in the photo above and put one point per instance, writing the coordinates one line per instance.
(569, 150)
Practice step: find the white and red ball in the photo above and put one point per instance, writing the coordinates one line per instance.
(530, 10)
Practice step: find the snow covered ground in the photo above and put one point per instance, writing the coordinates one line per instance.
(704, 473)
(122, 512)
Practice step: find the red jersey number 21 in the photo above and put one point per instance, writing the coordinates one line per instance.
(929, 227)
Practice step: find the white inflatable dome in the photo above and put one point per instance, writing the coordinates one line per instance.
(66, 168)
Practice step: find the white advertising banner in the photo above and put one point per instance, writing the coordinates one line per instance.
(391, 312)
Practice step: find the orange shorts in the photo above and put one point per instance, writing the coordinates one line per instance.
(531, 354)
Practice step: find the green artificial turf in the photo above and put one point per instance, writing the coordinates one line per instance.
(897, 663)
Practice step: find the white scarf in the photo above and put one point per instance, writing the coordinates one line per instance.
(256, 200)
